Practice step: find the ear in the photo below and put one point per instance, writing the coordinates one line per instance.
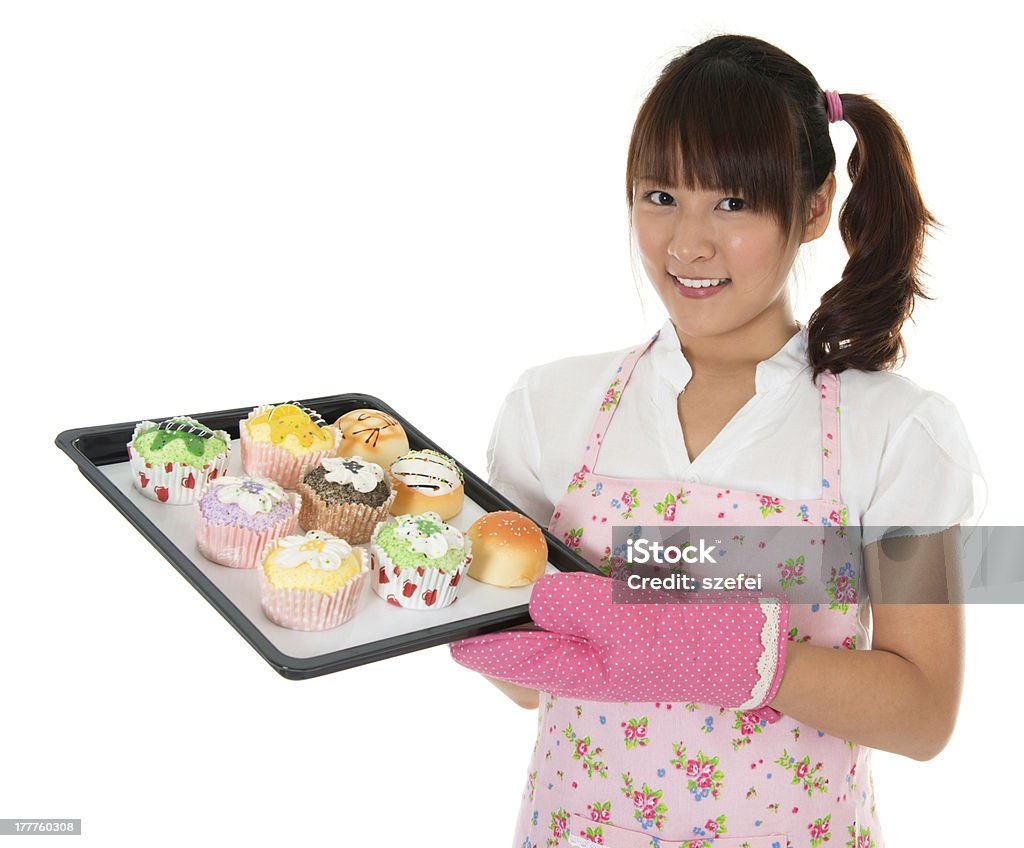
(820, 211)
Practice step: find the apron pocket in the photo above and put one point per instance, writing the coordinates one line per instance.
(584, 832)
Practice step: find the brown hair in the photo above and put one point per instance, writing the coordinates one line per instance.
(738, 114)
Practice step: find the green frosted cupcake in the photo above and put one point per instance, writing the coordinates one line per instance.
(418, 561)
(173, 459)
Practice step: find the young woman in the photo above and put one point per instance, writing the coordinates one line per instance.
(741, 726)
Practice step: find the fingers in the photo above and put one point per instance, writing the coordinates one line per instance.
(571, 602)
(550, 662)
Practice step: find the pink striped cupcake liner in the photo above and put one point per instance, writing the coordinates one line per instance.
(239, 547)
(173, 482)
(301, 609)
(265, 459)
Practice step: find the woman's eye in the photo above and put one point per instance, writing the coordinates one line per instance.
(732, 204)
(660, 198)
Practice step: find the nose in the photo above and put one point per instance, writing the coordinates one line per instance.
(691, 240)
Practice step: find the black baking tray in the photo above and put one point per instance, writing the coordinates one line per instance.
(91, 448)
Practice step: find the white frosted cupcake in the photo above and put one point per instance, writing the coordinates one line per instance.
(311, 582)
(418, 561)
(345, 496)
(237, 516)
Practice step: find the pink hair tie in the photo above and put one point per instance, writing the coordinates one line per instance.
(834, 106)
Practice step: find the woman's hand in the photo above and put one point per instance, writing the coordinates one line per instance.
(903, 694)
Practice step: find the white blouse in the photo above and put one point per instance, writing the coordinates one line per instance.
(905, 458)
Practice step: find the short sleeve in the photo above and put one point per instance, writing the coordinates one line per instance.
(513, 455)
(929, 477)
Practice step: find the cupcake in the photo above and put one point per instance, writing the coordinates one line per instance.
(174, 459)
(418, 561)
(344, 496)
(311, 582)
(237, 516)
(427, 481)
(373, 435)
(278, 440)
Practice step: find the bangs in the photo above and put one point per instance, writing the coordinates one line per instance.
(717, 126)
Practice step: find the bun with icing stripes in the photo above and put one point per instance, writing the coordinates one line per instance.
(426, 481)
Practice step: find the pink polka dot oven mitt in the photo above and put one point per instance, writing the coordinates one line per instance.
(729, 653)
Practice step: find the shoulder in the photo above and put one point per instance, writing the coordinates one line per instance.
(913, 463)
(884, 401)
(908, 442)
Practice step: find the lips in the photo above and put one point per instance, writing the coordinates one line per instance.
(692, 289)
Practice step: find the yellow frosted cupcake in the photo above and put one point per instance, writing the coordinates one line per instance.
(311, 582)
(278, 440)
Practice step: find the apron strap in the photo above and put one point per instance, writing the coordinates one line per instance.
(830, 482)
(830, 436)
(610, 401)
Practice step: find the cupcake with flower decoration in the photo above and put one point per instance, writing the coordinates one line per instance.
(237, 516)
(418, 561)
(174, 459)
(345, 496)
(311, 582)
(278, 440)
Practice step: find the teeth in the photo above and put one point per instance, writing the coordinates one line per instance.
(700, 284)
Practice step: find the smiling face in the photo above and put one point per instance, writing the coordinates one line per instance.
(722, 182)
(716, 263)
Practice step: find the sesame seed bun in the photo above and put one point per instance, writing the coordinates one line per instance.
(508, 550)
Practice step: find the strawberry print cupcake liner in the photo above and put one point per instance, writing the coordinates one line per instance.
(239, 547)
(421, 588)
(173, 482)
(301, 609)
(265, 459)
(351, 521)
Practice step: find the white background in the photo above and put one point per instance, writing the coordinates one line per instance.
(209, 204)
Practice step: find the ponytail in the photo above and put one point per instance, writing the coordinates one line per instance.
(883, 224)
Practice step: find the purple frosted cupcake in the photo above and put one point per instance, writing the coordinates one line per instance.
(237, 516)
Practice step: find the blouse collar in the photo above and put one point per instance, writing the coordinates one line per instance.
(778, 370)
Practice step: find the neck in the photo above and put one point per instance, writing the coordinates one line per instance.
(735, 355)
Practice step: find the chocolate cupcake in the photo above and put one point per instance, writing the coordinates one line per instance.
(344, 496)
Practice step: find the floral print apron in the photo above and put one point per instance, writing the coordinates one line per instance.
(675, 775)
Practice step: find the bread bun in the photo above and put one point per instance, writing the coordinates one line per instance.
(427, 481)
(508, 550)
(373, 435)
